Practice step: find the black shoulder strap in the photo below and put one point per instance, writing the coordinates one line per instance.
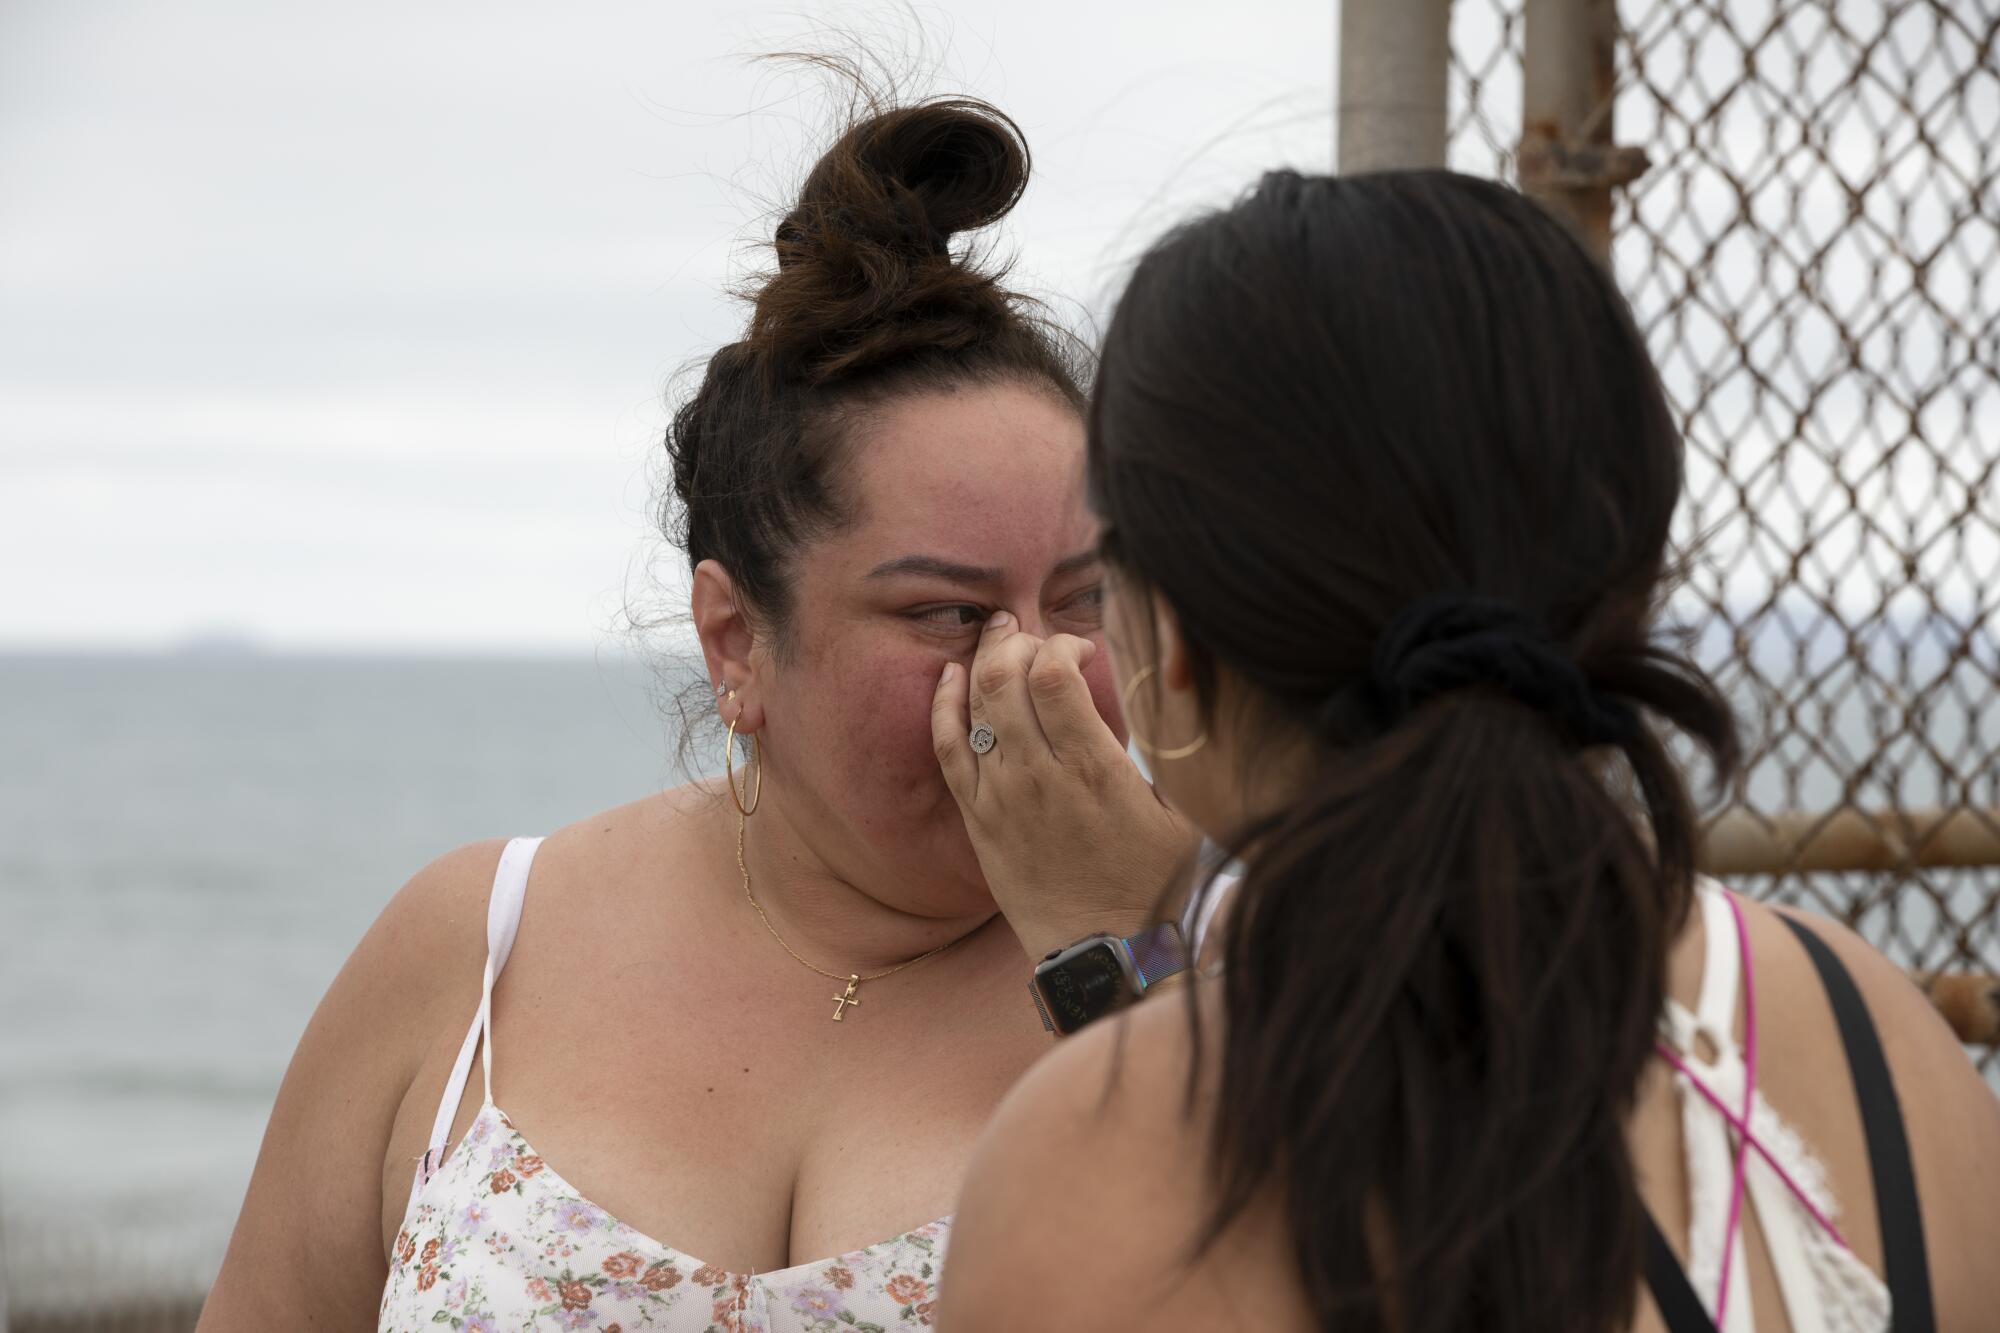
(1680, 1309)
(1903, 1257)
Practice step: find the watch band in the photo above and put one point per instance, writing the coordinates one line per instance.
(1157, 952)
(1150, 956)
(1041, 1005)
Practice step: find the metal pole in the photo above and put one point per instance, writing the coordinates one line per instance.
(1390, 106)
(1568, 72)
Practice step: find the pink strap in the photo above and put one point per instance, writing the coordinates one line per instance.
(1673, 1057)
(1749, 1093)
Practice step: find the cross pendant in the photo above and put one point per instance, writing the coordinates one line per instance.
(842, 1001)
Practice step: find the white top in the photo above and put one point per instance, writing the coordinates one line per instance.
(1825, 1288)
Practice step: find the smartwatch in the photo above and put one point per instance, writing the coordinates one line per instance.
(1103, 972)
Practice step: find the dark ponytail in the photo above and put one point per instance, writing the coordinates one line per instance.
(1393, 451)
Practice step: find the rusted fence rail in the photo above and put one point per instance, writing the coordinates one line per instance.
(1741, 843)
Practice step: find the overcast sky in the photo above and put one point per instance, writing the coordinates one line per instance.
(347, 326)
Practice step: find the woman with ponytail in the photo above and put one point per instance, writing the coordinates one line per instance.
(1386, 481)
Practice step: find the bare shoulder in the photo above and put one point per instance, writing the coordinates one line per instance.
(1951, 1115)
(317, 1187)
(1108, 1127)
(637, 833)
(428, 935)
(350, 1113)
(1121, 1084)
(1925, 1058)
(594, 873)
(380, 1015)
(420, 959)
(421, 962)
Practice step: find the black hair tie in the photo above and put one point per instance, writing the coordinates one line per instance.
(1454, 641)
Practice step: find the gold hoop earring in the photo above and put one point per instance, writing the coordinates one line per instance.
(1125, 703)
(729, 771)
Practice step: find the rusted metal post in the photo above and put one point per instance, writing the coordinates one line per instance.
(1740, 843)
(1568, 160)
(1882, 841)
(1969, 1001)
(1390, 104)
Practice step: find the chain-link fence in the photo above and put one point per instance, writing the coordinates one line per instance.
(1810, 242)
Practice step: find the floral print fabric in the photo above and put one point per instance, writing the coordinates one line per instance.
(497, 1242)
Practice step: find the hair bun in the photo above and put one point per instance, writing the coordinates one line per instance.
(907, 180)
(865, 272)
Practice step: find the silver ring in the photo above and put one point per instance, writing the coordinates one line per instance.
(981, 738)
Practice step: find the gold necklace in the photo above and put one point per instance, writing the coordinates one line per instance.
(853, 979)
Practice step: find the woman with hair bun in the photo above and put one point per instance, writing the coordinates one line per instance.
(1386, 479)
(734, 1042)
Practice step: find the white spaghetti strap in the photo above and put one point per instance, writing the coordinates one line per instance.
(503, 918)
(486, 1026)
(1787, 1248)
(1721, 966)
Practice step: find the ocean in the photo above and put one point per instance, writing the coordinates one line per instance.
(190, 846)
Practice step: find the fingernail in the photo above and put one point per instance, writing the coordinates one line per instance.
(949, 667)
(999, 620)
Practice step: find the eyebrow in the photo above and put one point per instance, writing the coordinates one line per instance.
(973, 575)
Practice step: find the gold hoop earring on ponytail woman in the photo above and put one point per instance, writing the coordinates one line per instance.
(1125, 703)
(729, 769)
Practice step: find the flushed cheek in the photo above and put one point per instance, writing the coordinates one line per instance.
(894, 730)
(889, 729)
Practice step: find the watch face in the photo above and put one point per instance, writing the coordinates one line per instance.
(1084, 986)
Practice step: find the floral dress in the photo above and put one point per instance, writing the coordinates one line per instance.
(494, 1241)
(497, 1242)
